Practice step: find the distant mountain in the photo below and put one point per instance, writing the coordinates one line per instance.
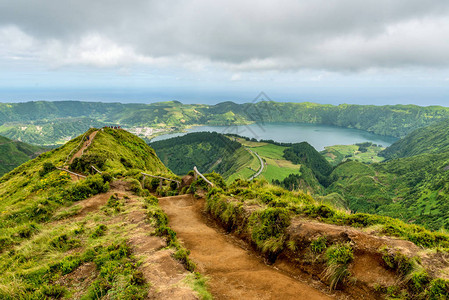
(392, 120)
(430, 139)
(14, 153)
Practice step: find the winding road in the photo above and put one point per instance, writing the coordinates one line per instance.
(261, 165)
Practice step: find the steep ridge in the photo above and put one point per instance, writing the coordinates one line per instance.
(432, 139)
(91, 238)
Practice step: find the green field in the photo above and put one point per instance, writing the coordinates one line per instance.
(339, 153)
(270, 151)
(276, 166)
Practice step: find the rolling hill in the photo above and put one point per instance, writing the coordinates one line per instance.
(429, 139)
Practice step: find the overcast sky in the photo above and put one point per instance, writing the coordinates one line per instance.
(327, 51)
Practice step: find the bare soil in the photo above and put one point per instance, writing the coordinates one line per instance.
(165, 275)
(84, 146)
(234, 272)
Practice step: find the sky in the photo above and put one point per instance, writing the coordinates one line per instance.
(197, 51)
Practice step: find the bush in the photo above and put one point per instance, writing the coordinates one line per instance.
(318, 245)
(84, 163)
(83, 189)
(397, 261)
(100, 230)
(268, 228)
(64, 243)
(438, 289)
(46, 168)
(338, 257)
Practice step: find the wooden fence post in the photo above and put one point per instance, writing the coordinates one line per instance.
(143, 181)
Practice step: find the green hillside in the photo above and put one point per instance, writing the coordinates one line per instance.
(430, 139)
(304, 153)
(15, 153)
(209, 151)
(54, 132)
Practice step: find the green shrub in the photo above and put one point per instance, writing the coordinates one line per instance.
(438, 289)
(107, 177)
(69, 263)
(182, 255)
(268, 228)
(338, 257)
(418, 281)
(64, 243)
(100, 230)
(151, 200)
(46, 168)
(84, 163)
(318, 245)
(83, 189)
(397, 261)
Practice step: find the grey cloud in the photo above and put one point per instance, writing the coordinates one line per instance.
(249, 35)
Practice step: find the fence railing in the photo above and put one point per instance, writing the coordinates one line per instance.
(70, 172)
(197, 173)
(161, 179)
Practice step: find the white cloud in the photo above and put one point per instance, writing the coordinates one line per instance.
(200, 35)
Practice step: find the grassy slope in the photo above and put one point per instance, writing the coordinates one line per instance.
(414, 189)
(124, 151)
(431, 139)
(14, 153)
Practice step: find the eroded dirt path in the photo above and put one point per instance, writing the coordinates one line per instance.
(234, 272)
(84, 146)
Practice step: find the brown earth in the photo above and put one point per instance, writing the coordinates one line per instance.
(234, 272)
(165, 275)
(84, 146)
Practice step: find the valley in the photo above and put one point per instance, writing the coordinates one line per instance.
(281, 219)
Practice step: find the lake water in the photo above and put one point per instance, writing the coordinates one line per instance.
(317, 135)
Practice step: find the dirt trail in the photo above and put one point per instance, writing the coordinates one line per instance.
(165, 275)
(84, 147)
(234, 272)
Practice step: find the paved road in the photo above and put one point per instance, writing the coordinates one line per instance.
(261, 165)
